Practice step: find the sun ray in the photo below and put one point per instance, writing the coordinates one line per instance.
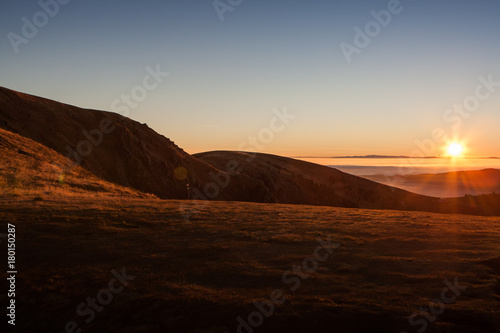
(455, 149)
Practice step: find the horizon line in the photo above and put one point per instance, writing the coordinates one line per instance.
(401, 156)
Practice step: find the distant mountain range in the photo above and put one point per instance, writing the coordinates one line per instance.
(398, 156)
(127, 153)
(448, 184)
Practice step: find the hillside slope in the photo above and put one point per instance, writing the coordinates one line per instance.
(33, 171)
(125, 152)
(115, 148)
(298, 182)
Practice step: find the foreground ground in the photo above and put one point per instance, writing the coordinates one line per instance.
(201, 275)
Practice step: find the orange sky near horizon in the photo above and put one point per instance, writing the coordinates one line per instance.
(417, 83)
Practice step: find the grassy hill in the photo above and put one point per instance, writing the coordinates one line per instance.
(127, 153)
(115, 148)
(31, 171)
(298, 182)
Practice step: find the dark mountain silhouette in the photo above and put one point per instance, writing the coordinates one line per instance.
(299, 182)
(118, 149)
(128, 153)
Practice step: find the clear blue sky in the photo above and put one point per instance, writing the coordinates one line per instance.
(226, 77)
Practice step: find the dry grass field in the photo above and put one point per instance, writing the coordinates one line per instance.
(201, 275)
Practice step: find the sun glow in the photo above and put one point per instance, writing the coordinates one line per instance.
(455, 149)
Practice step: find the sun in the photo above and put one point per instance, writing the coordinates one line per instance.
(455, 149)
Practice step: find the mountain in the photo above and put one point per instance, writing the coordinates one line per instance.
(115, 148)
(448, 184)
(299, 182)
(125, 152)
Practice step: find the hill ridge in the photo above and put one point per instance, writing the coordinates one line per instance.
(125, 152)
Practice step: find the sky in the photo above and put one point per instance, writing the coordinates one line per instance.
(354, 77)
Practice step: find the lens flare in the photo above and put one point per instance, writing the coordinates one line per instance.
(455, 149)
